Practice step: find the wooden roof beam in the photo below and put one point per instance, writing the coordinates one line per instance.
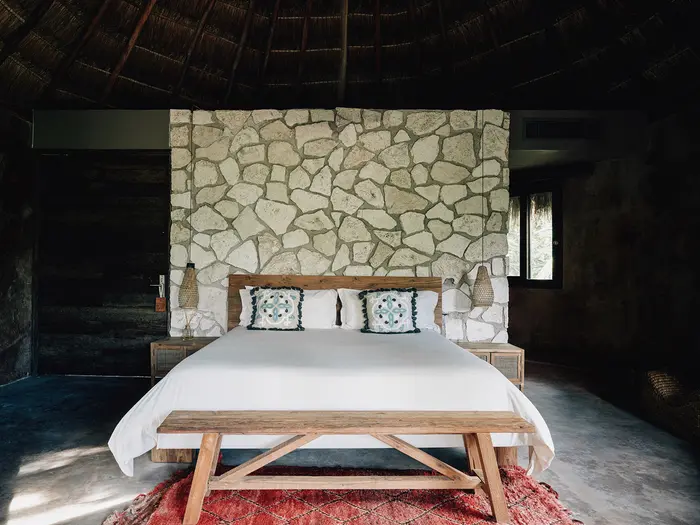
(447, 65)
(239, 50)
(378, 40)
(14, 39)
(412, 16)
(343, 72)
(145, 13)
(193, 45)
(304, 42)
(270, 38)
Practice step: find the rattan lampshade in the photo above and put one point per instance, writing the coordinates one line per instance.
(188, 297)
(482, 294)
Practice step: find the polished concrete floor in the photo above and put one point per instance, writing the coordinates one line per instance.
(55, 468)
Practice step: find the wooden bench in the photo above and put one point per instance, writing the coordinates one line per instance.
(475, 427)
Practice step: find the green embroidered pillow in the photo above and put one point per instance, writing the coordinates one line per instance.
(389, 311)
(276, 308)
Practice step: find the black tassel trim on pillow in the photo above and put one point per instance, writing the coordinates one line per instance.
(254, 299)
(414, 310)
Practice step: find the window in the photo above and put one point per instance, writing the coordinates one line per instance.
(534, 235)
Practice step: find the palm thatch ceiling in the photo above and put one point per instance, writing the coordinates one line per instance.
(382, 53)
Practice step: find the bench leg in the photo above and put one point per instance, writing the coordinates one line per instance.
(206, 461)
(507, 456)
(472, 452)
(493, 486)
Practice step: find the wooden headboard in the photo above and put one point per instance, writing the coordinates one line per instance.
(326, 282)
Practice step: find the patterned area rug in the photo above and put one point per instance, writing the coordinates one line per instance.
(529, 503)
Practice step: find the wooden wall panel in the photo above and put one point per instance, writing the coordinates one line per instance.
(103, 241)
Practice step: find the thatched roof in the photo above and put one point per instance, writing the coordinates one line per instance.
(382, 53)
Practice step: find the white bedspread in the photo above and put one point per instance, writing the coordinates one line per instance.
(326, 370)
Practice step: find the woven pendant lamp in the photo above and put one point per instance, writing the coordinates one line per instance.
(482, 293)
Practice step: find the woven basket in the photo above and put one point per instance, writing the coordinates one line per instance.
(671, 406)
(188, 297)
(482, 294)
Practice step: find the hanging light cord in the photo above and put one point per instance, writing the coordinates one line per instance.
(483, 171)
(189, 248)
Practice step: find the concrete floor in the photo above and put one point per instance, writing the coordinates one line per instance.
(55, 468)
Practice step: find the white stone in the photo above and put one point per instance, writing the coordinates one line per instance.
(337, 216)
(498, 266)
(399, 201)
(202, 117)
(472, 225)
(402, 272)
(432, 193)
(335, 161)
(247, 224)
(314, 221)
(282, 264)
(233, 120)
(371, 119)
(493, 315)
(440, 211)
(392, 118)
(308, 201)
(361, 251)
(412, 222)
(495, 244)
(326, 242)
(501, 337)
(283, 154)
(377, 218)
(484, 184)
(177, 215)
(422, 271)
(312, 263)
(223, 242)
(500, 200)
(392, 238)
(454, 328)
(279, 173)
(181, 200)
(299, 179)
(419, 174)
(230, 170)
(461, 119)
(449, 266)
(268, 245)
(353, 229)
(451, 193)
(495, 222)
(472, 205)
(342, 258)
(217, 152)
(180, 157)
(348, 136)
(245, 194)
(358, 270)
(205, 174)
(345, 179)
(178, 181)
(295, 239)
(322, 182)
(425, 122)
(276, 131)
(205, 218)
(492, 116)
(456, 245)
(309, 132)
(228, 209)
(423, 242)
(179, 136)
(396, 156)
(201, 257)
(256, 173)
(370, 193)
(401, 178)
(344, 201)
(401, 136)
(178, 255)
(475, 312)
(357, 157)
(439, 229)
(244, 137)
(375, 140)
(213, 273)
(495, 143)
(380, 255)
(448, 173)
(203, 136)
(211, 194)
(374, 171)
(296, 116)
(426, 149)
(277, 191)
(179, 233)
(478, 331)
(313, 165)
(460, 150)
(488, 168)
(263, 115)
(444, 131)
(180, 116)
(407, 257)
(455, 300)
(244, 257)
(350, 114)
(322, 115)
(319, 148)
(276, 215)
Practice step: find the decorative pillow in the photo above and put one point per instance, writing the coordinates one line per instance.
(390, 311)
(276, 308)
(319, 308)
(351, 317)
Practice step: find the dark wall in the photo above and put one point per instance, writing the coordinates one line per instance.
(103, 241)
(631, 276)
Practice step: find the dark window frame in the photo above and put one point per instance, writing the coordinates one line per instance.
(526, 184)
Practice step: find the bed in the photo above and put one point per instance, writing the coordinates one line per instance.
(327, 370)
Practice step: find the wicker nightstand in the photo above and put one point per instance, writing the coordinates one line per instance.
(166, 353)
(508, 359)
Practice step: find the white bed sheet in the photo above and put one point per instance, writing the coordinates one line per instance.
(326, 370)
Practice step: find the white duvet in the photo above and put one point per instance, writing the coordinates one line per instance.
(326, 370)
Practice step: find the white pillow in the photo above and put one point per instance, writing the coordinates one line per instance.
(318, 311)
(351, 317)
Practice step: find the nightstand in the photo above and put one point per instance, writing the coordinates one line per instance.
(506, 358)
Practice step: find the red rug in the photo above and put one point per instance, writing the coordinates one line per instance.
(529, 503)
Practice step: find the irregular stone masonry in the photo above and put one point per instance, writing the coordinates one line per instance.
(346, 192)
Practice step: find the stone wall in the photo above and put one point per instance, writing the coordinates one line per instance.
(345, 192)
